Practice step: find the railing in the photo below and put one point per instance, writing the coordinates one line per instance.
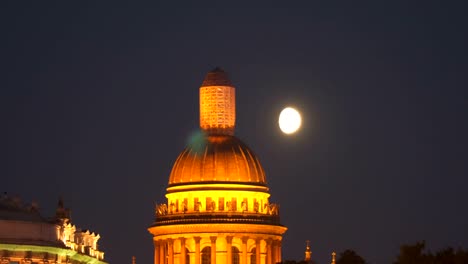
(164, 217)
(268, 209)
(87, 250)
(90, 251)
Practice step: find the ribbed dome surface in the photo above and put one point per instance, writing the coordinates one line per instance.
(220, 158)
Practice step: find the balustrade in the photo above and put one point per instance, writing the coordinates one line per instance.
(268, 209)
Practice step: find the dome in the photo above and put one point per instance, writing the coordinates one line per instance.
(217, 159)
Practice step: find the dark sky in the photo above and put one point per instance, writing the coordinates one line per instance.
(98, 99)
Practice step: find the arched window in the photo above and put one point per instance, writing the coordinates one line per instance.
(187, 256)
(253, 256)
(235, 255)
(206, 255)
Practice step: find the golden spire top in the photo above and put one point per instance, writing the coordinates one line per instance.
(333, 258)
(133, 260)
(217, 103)
(308, 253)
(216, 77)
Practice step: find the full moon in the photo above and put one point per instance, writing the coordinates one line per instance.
(289, 120)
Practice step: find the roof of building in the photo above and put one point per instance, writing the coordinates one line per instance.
(216, 77)
(11, 208)
(217, 158)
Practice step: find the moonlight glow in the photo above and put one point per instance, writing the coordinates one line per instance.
(289, 120)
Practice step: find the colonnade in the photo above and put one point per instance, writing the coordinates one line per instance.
(174, 250)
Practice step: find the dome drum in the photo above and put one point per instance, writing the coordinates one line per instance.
(230, 205)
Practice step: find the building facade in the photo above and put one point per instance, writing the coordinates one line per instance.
(217, 209)
(28, 238)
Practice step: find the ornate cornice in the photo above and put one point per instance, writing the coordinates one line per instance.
(217, 228)
(217, 185)
(73, 255)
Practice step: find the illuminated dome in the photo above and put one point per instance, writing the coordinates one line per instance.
(217, 209)
(219, 158)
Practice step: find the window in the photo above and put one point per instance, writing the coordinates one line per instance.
(210, 204)
(206, 255)
(196, 205)
(185, 205)
(221, 204)
(235, 256)
(256, 205)
(234, 204)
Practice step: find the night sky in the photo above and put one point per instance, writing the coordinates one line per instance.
(98, 99)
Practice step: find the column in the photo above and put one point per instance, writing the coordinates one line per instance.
(183, 252)
(244, 250)
(170, 251)
(273, 252)
(278, 251)
(156, 252)
(257, 250)
(268, 252)
(162, 254)
(229, 249)
(197, 249)
(213, 249)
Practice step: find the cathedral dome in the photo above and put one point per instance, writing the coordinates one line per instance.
(217, 159)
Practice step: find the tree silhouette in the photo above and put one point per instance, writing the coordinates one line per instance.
(350, 257)
(414, 254)
(296, 262)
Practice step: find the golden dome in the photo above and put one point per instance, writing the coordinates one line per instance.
(219, 158)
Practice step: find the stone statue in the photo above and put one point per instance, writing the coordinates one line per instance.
(274, 209)
(213, 206)
(171, 207)
(256, 205)
(197, 206)
(161, 209)
(267, 207)
(244, 206)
